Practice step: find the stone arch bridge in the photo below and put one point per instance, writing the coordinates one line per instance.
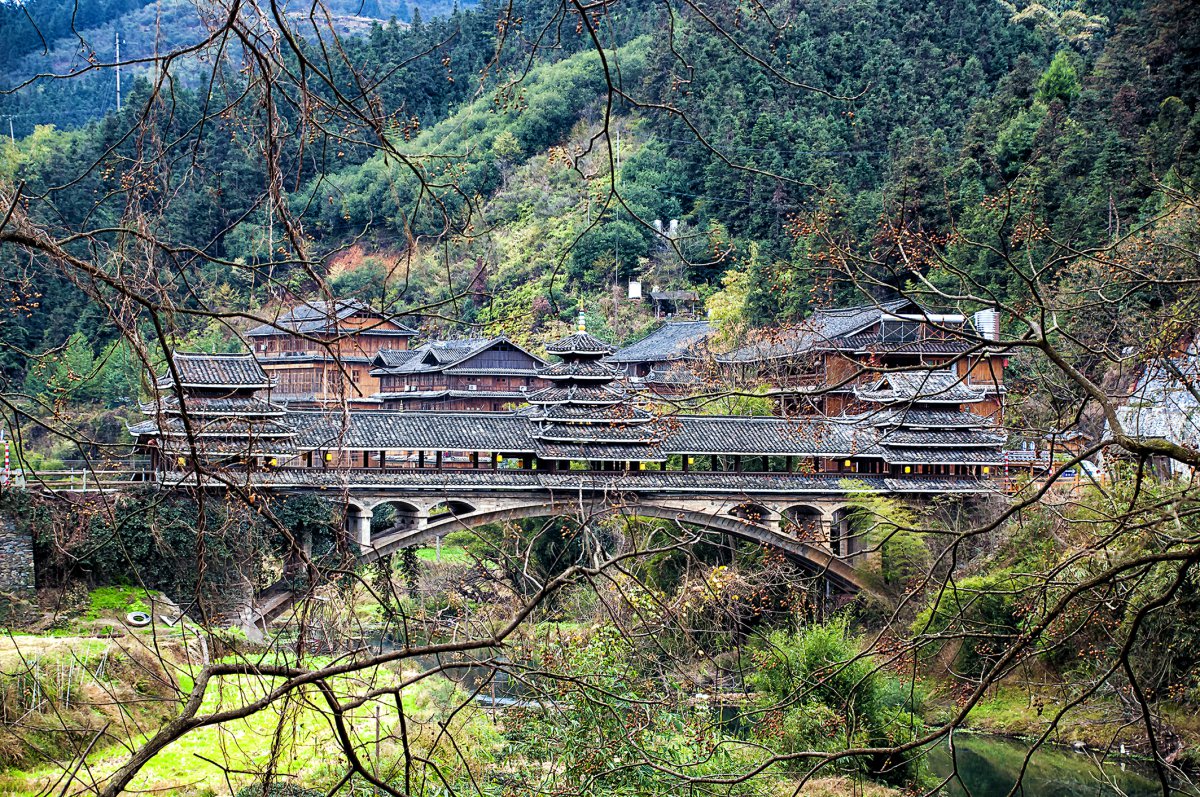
(805, 516)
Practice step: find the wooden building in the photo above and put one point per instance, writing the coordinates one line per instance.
(320, 353)
(214, 411)
(672, 360)
(481, 374)
(814, 367)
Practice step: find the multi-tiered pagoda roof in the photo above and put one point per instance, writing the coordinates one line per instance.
(215, 410)
(587, 413)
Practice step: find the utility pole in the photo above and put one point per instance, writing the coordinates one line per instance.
(11, 135)
(118, 62)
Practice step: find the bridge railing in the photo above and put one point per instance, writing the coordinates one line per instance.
(77, 479)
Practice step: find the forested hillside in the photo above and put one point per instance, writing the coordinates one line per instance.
(872, 113)
(79, 41)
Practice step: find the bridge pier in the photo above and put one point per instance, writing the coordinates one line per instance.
(358, 525)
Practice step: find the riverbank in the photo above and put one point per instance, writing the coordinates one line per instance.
(1099, 725)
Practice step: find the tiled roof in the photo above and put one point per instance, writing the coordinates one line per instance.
(815, 333)
(579, 370)
(210, 405)
(872, 342)
(623, 413)
(674, 340)
(676, 375)
(457, 371)
(942, 438)
(577, 394)
(439, 356)
(393, 358)
(674, 296)
(465, 431)
(230, 447)
(1163, 405)
(224, 426)
(935, 387)
(198, 370)
(943, 456)
(323, 316)
(919, 417)
(704, 434)
(599, 432)
(580, 343)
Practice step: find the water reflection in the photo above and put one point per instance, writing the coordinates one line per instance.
(988, 766)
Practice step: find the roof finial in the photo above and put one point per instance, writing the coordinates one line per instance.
(582, 320)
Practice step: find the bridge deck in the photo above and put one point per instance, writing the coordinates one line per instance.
(633, 481)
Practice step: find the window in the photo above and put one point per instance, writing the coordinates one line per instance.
(354, 374)
(891, 331)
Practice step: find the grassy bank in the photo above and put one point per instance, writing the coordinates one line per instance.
(1100, 723)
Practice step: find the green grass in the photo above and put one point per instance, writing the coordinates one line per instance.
(116, 601)
(243, 746)
(451, 554)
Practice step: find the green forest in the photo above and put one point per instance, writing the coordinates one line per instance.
(1087, 116)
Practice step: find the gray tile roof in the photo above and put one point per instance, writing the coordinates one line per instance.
(393, 358)
(438, 356)
(920, 417)
(873, 343)
(623, 413)
(600, 432)
(816, 333)
(224, 426)
(705, 434)
(674, 340)
(943, 456)
(230, 447)
(601, 394)
(933, 387)
(213, 405)
(580, 343)
(199, 370)
(942, 438)
(580, 370)
(323, 317)
(464, 431)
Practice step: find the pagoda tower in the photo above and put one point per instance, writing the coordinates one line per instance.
(587, 416)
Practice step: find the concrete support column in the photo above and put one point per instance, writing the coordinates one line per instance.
(829, 530)
(358, 525)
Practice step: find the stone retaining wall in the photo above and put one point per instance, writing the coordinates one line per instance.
(18, 595)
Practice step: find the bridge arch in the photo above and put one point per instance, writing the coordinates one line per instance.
(454, 507)
(816, 557)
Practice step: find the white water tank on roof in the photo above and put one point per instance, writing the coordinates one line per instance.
(987, 322)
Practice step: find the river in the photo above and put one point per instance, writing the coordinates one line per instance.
(981, 765)
(989, 766)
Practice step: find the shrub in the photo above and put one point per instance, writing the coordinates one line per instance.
(817, 692)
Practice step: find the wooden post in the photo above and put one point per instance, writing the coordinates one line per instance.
(420, 459)
(437, 460)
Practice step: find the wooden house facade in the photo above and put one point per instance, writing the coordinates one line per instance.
(320, 353)
(478, 374)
